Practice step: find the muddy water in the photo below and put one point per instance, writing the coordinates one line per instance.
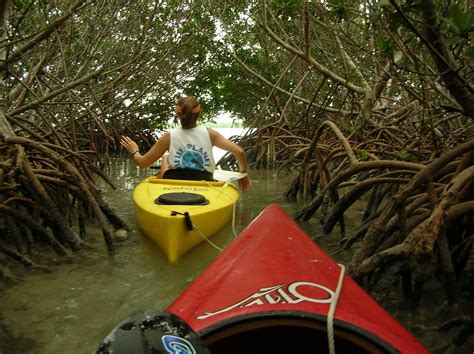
(71, 309)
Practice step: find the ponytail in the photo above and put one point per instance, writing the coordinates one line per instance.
(188, 110)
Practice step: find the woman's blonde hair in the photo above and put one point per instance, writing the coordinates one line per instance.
(188, 110)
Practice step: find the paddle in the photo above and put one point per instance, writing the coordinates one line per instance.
(225, 175)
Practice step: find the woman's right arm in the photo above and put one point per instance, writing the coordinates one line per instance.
(152, 155)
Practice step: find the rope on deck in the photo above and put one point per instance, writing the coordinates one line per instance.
(233, 216)
(332, 310)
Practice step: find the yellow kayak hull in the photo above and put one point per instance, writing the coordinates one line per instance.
(166, 226)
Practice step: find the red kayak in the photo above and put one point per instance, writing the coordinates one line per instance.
(273, 290)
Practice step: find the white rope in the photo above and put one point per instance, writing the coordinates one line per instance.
(207, 239)
(221, 191)
(233, 220)
(332, 310)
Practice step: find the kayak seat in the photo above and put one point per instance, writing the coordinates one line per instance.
(181, 199)
(188, 174)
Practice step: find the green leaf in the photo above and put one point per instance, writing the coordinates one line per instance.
(362, 155)
(403, 155)
(460, 22)
(469, 15)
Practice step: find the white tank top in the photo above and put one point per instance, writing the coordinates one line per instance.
(191, 148)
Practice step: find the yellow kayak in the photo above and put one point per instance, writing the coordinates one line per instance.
(179, 214)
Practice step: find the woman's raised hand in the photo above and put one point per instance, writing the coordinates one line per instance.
(129, 144)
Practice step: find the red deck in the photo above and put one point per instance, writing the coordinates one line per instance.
(273, 266)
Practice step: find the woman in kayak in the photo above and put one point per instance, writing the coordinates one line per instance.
(189, 148)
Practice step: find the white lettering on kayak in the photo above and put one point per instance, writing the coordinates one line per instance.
(278, 294)
(194, 189)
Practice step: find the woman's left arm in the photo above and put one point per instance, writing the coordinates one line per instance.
(219, 141)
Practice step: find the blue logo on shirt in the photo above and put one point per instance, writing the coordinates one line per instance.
(192, 157)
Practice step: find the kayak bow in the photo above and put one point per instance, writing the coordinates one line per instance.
(274, 287)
